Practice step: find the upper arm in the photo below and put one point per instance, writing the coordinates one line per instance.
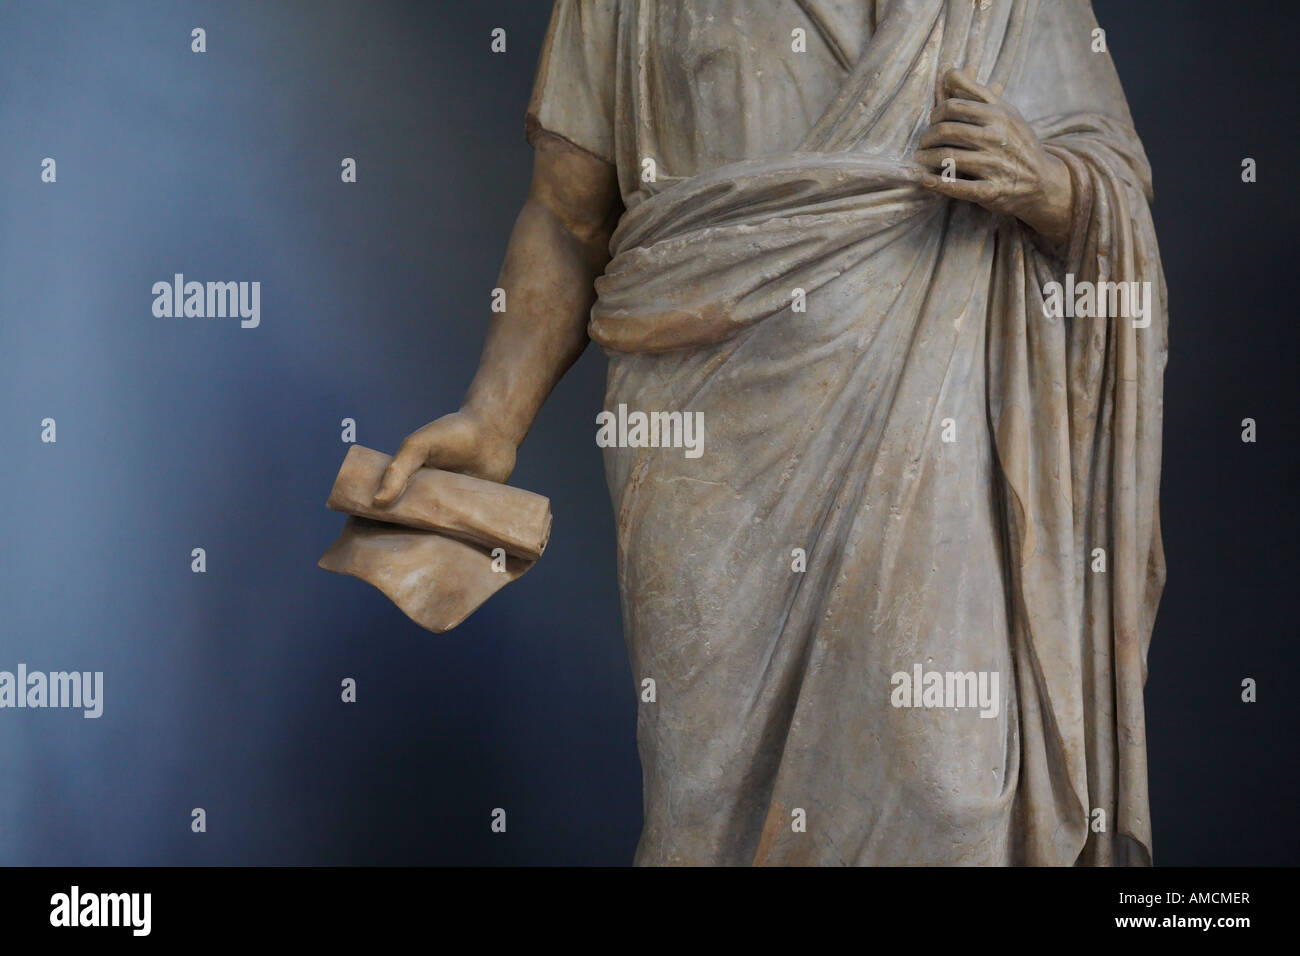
(571, 121)
(578, 188)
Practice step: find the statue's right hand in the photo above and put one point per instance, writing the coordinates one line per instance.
(456, 442)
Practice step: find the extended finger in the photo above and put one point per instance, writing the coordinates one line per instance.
(962, 135)
(964, 162)
(971, 190)
(965, 111)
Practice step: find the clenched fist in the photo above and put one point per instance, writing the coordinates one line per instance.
(456, 442)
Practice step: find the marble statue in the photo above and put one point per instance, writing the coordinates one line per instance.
(897, 258)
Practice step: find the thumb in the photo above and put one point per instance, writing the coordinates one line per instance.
(405, 463)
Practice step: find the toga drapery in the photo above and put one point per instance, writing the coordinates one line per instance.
(972, 480)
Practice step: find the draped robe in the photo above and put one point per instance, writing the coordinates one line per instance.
(951, 458)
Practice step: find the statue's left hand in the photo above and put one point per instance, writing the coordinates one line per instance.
(997, 160)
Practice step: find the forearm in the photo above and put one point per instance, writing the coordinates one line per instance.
(548, 278)
(557, 249)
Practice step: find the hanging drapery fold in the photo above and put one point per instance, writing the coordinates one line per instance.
(918, 456)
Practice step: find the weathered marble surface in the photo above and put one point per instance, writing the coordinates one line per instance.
(778, 171)
(431, 551)
(759, 234)
(460, 506)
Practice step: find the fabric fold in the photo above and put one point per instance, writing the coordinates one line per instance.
(922, 308)
(446, 545)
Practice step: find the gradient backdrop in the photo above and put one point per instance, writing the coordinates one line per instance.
(222, 689)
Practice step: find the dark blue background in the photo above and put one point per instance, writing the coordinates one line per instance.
(222, 689)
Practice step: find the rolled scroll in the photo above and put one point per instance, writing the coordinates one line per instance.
(432, 551)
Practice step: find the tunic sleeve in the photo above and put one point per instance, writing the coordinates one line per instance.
(573, 95)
